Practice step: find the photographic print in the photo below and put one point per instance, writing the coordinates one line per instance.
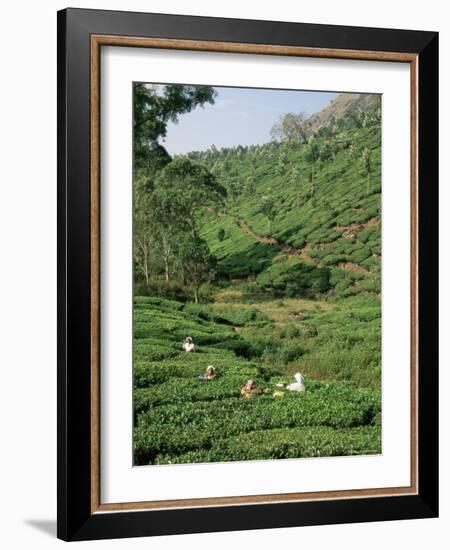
(257, 274)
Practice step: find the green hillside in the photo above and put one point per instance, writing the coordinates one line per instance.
(269, 258)
(331, 222)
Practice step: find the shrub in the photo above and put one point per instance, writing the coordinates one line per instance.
(368, 234)
(290, 353)
(206, 293)
(360, 255)
(175, 390)
(334, 259)
(164, 289)
(187, 426)
(228, 315)
(240, 347)
(281, 443)
(295, 278)
(188, 367)
(290, 331)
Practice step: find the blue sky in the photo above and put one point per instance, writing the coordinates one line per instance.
(239, 116)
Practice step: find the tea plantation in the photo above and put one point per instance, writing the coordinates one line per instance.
(179, 418)
(285, 278)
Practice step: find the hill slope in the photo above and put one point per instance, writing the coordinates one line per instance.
(296, 289)
(341, 106)
(326, 212)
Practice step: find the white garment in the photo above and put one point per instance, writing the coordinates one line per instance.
(298, 385)
(188, 346)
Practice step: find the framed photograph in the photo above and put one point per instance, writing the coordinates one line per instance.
(247, 274)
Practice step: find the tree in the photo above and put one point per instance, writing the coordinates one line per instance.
(282, 163)
(143, 223)
(312, 156)
(157, 105)
(366, 159)
(325, 132)
(167, 226)
(336, 144)
(234, 189)
(160, 213)
(268, 209)
(292, 128)
(182, 188)
(197, 262)
(250, 184)
(295, 175)
(154, 160)
(353, 152)
(326, 152)
(154, 107)
(142, 227)
(252, 157)
(295, 178)
(377, 113)
(365, 118)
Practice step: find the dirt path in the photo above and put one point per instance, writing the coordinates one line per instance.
(303, 252)
(351, 266)
(284, 248)
(350, 231)
(246, 229)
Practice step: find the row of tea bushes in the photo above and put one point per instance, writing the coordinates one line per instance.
(316, 441)
(201, 415)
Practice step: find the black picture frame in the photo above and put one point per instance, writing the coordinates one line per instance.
(76, 521)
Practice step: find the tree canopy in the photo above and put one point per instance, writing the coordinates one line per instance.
(268, 208)
(157, 105)
(292, 128)
(184, 186)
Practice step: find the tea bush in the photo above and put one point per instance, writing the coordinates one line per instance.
(295, 278)
(163, 429)
(281, 443)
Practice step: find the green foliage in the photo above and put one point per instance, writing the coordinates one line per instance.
(202, 224)
(239, 255)
(197, 262)
(181, 419)
(285, 443)
(181, 188)
(268, 208)
(154, 107)
(165, 226)
(366, 159)
(166, 289)
(292, 128)
(339, 199)
(312, 155)
(216, 414)
(226, 314)
(146, 245)
(295, 278)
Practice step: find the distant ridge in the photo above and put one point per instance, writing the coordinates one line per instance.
(340, 106)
